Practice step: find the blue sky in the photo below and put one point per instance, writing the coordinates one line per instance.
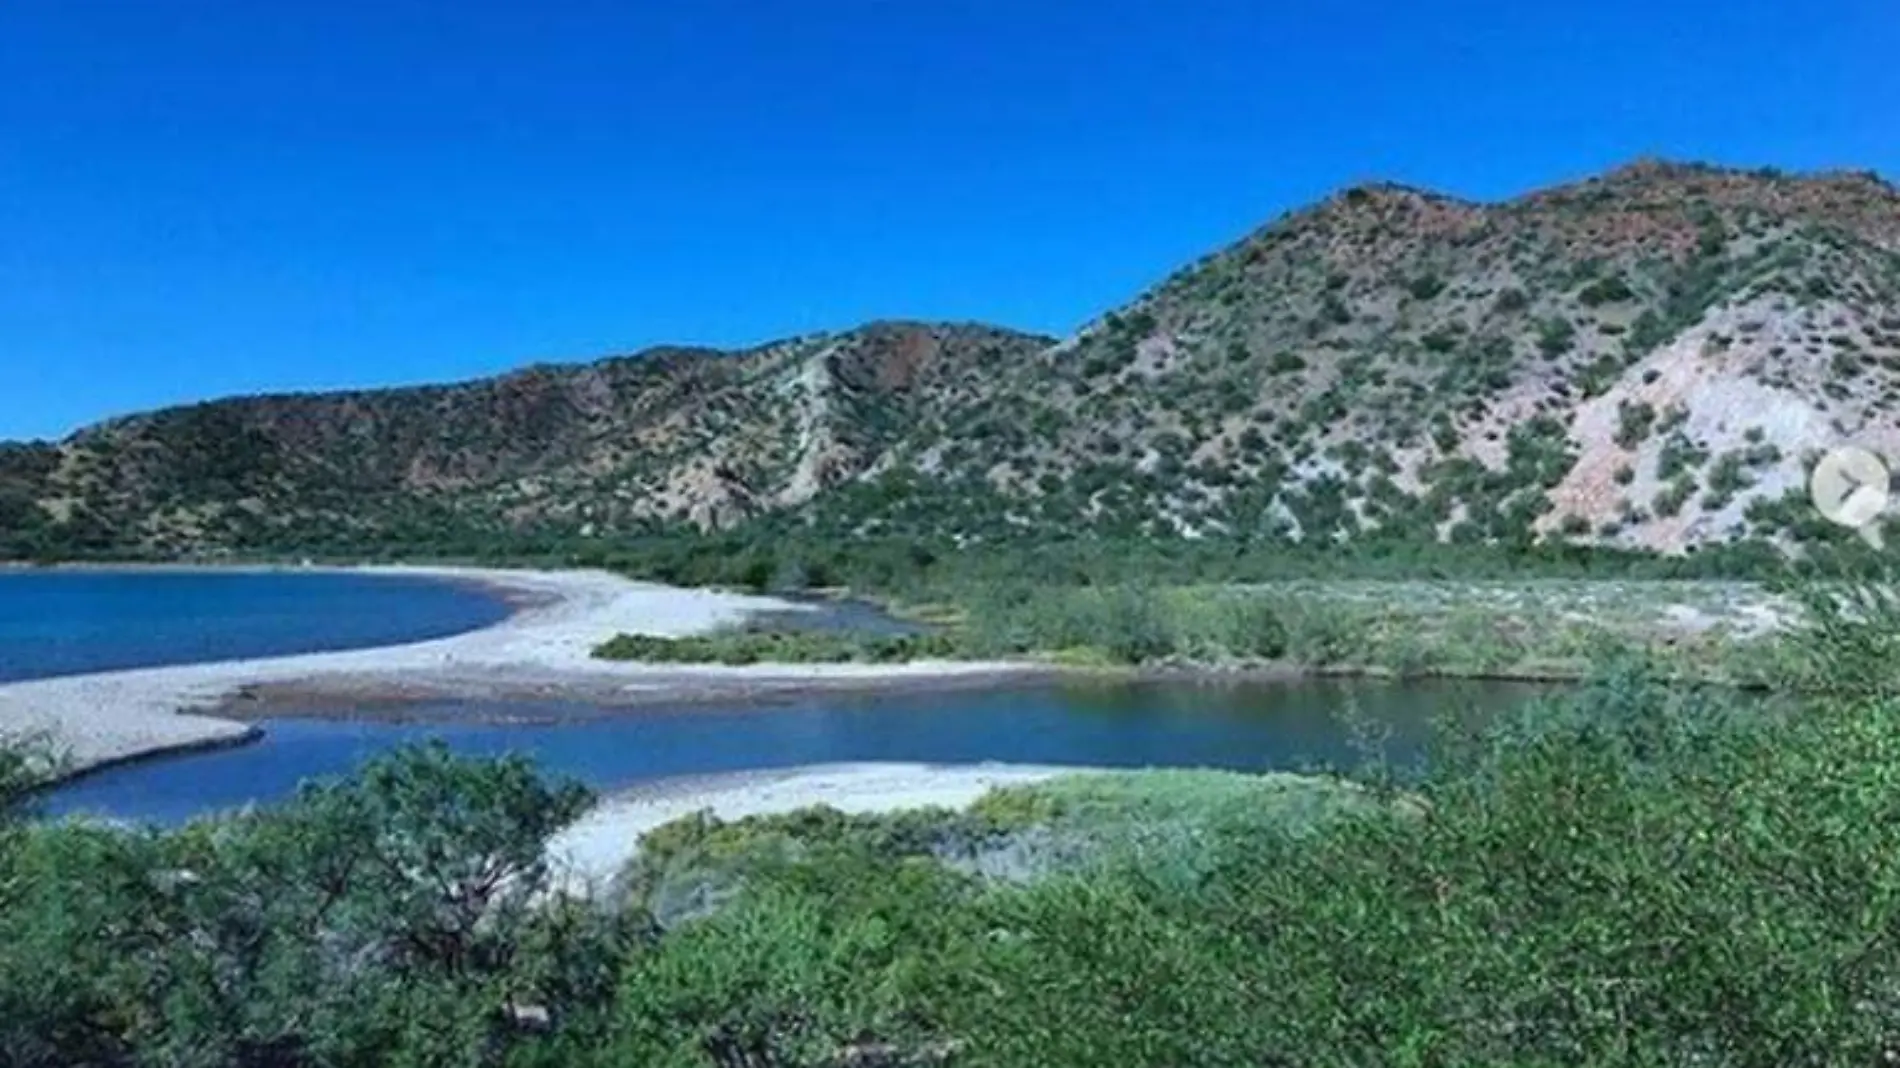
(200, 198)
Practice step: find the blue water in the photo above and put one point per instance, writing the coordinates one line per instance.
(73, 622)
(1252, 727)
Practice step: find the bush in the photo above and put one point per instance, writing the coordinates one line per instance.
(1633, 423)
(1846, 641)
(1610, 289)
(1511, 301)
(391, 918)
(1286, 362)
(755, 646)
(1555, 336)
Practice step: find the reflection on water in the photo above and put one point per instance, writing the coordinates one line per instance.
(1250, 726)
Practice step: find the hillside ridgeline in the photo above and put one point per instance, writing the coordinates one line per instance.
(1646, 360)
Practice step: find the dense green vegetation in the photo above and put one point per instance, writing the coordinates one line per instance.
(386, 920)
(913, 566)
(1633, 873)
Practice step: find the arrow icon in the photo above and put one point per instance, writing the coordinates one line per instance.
(1850, 486)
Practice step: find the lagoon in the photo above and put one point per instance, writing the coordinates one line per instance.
(69, 622)
(1255, 726)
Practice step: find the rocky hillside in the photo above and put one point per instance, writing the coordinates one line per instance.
(694, 436)
(1648, 358)
(1645, 359)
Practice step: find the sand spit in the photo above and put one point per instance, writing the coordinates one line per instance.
(587, 855)
(542, 651)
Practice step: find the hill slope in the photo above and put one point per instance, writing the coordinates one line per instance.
(1642, 358)
(687, 435)
(1648, 358)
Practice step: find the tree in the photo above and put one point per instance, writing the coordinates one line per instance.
(401, 916)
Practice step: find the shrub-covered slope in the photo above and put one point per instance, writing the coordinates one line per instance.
(1647, 359)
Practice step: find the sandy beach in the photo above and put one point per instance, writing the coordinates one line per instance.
(543, 651)
(588, 854)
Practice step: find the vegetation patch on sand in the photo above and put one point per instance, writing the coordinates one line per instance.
(751, 645)
(685, 869)
(1723, 632)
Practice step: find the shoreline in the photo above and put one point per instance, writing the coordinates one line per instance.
(587, 854)
(585, 699)
(541, 653)
(531, 699)
(543, 650)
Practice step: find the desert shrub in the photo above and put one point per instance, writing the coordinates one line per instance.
(748, 645)
(1320, 634)
(1609, 289)
(1670, 499)
(847, 951)
(1286, 362)
(1846, 637)
(391, 918)
(1215, 627)
(1679, 456)
(1555, 336)
(1727, 477)
(1633, 423)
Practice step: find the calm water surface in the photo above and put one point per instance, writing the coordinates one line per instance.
(73, 622)
(1259, 726)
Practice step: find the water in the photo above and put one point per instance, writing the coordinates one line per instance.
(73, 622)
(1251, 727)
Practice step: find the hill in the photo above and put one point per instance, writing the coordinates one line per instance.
(1645, 359)
(669, 435)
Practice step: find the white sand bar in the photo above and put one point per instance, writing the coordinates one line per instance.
(542, 651)
(589, 853)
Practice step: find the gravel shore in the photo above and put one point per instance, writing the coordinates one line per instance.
(543, 651)
(588, 854)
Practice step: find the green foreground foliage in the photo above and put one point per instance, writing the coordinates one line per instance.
(1630, 873)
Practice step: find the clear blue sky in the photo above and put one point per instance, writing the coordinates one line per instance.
(200, 198)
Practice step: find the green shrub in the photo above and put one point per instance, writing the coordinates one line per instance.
(754, 646)
(1679, 456)
(1633, 423)
(386, 919)
(1610, 289)
(1726, 478)
(1555, 336)
(1511, 301)
(1671, 498)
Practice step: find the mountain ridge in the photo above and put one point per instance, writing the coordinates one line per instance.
(1644, 358)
